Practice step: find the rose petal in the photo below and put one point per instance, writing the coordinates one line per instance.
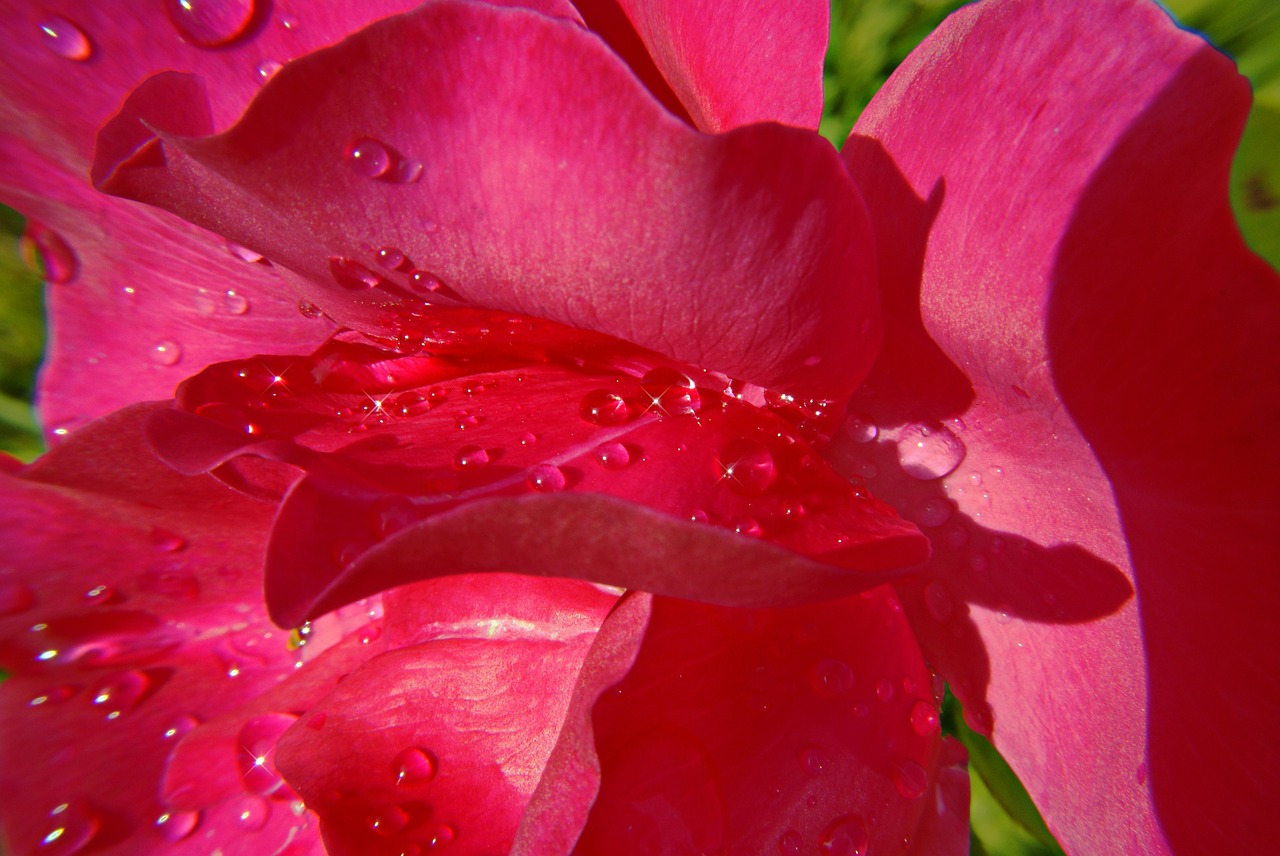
(765, 730)
(147, 299)
(1086, 261)
(747, 253)
(733, 64)
(133, 577)
(443, 738)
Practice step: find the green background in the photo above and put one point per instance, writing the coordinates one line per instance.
(868, 39)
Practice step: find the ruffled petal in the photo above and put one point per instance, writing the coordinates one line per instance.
(138, 299)
(523, 168)
(1076, 394)
(732, 64)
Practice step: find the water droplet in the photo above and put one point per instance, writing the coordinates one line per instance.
(289, 22)
(926, 452)
(352, 275)
(406, 171)
(70, 828)
(831, 678)
(166, 541)
(613, 456)
(470, 457)
(307, 309)
(790, 844)
(860, 429)
(243, 253)
(424, 281)
(369, 158)
(388, 820)
(180, 726)
(924, 718)
(166, 353)
(933, 511)
(844, 836)
(884, 689)
(391, 258)
(54, 695)
(813, 761)
(65, 38)
(15, 598)
(257, 741)
(441, 836)
(938, 601)
(267, 69)
(670, 392)
(120, 693)
(546, 478)
(601, 407)
(102, 594)
(234, 302)
(975, 478)
(466, 419)
(747, 467)
(747, 525)
(528, 439)
(251, 812)
(59, 260)
(910, 779)
(211, 23)
(414, 766)
(177, 824)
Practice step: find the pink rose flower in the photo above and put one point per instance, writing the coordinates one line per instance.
(583, 302)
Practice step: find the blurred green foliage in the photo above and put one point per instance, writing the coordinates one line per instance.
(21, 342)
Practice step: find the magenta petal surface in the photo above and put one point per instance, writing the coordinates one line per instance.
(1077, 394)
(138, 299)
(113, 660)
(525, 169)
(740, 62)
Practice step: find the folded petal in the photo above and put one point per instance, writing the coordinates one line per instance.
(522, 167)
(137, 298)
(543, 468)
(123, 626)
(1079, 381)
(732, 64)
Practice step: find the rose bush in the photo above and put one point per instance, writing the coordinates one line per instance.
(490, 312)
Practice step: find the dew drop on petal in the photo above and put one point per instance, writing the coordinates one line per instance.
(307, 309)
(933, 511)
(250, 812)
(267, 69)
(177, 824)
(243, 253)
(470, 457)
(369, 158)
(884, 689)
(166, 352)
(121, 692)
(910, 779)
(406, 171)
(747, 525)
(179, 726)
(669, 392)
(54, 695)
(413, 766)
(813, 761)
(390, 258)
(938, 601)
(59, 260)
(831, 678)
(441, 836)
(613, 456)
(234, 302)
(70, 829)
(424, 281)
(546, 478)
(929, 452)
(791, 843)
(859, 428)
(601, 407)
(747, 467)
(924, 718)
(844, 836)
(388, 820)
(211, 23)
(65, 39)
(257, 742)
(352, 275)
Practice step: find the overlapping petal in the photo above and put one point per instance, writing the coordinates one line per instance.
(1077, 298)
(526, 170)
(138, 299)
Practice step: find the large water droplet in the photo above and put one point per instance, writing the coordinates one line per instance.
(602, 407)
(470, 457)
(669, 392)
(929, 452)
(369, 158)
(844, 836)
(747, 467)
(70, 828)
(59, 260)
(234, 302)
(257, 741)
(211, 23)
(613, 456)
(924, 718)
(391, 258)
(860, 428)
(177, 824)
(910, 779)
(352, 275)
(65, 38)
(166, 352)
(546, 478)
(414, 766)
(120, 693)
(251, 812)
(831, 678)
